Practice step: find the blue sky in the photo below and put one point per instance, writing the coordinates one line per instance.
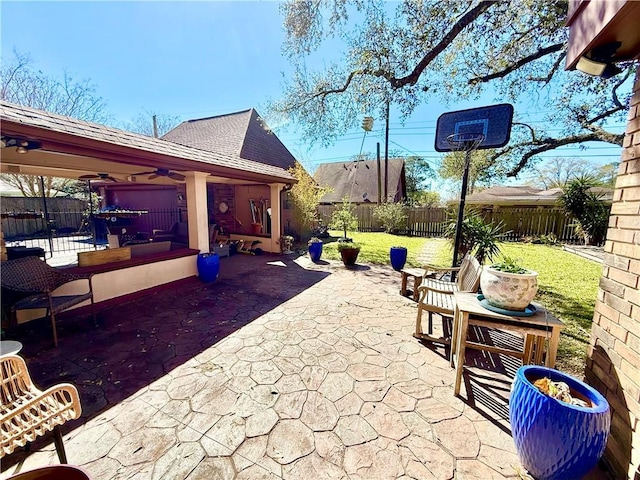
(198, 59)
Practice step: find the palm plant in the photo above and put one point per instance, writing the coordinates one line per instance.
(477, 236)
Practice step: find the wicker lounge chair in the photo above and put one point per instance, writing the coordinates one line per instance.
(35, 281)
(27, 413)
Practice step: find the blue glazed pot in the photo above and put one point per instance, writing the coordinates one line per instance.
(315, 251)
(208, 267)
(398, 257)
(555, 440)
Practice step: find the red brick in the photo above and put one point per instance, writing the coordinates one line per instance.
(608, 312)
(629, 194)
(626, 278)
(604, 338)
(609, 286)
(618, 304)
(625, 208)
(628, 323)
(632, 251)
(628, 354)
(629, 222)
(632, 166)
(617, 235)
(631, 179)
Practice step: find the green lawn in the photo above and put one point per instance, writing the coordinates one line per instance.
(375, 246)
(567, 284)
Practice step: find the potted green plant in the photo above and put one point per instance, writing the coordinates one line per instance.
(315, 249)
(348, 252)
(508, 285)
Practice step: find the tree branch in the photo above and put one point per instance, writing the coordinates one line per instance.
(520, 63)
(553, 143)
(553, 70)
(465, 20)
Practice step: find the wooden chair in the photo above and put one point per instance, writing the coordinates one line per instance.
(36, 282)
(436, 295)
(27, 412)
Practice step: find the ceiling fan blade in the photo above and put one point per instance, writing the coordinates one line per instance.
(143, 173)
(87, 177)
(113, 179)
(152, 176)
(176, 176)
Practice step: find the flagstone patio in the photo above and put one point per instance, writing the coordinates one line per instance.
(280, 369)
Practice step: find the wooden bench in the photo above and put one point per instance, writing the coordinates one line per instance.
(418, 274)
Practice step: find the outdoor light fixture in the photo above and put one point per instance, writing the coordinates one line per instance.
(599, 62)
(22, 146)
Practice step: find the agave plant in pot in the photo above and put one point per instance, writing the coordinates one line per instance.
(508, 286)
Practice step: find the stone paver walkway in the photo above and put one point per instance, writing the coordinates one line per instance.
(280, 369)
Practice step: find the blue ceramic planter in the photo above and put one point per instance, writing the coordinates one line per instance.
(208, 267)
(315, 251)
(398, 257)
(555, 440)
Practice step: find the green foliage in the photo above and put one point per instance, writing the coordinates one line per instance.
(305, 196)
(483, 168)
(567, 288)
(424, 198)
(391, 215)
(509, 265)
(344, 217)
(347, 245)
(417, 170)
(407, 53)
(591, 213)
(477, 236)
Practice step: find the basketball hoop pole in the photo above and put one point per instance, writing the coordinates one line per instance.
(463, 196)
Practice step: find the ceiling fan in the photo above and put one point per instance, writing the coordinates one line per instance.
(163, 172)
(98, 176)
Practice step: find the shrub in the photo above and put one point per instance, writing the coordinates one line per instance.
(391, 215)
(591, 213)
(344, 218)
(478, 237)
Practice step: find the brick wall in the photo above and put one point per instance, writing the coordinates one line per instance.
(613, 366)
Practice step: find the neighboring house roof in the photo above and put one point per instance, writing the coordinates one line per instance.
(525, 195)
(242, 134)
(43, 122)
(358, 180)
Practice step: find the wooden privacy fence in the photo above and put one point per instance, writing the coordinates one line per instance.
(431, 222)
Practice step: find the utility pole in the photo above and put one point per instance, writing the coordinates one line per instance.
(386, 157)
(155, 127)
(379, 176)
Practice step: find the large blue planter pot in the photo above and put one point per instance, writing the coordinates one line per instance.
(555, 440)
(208, 266)
(398, 257)
(315, 251)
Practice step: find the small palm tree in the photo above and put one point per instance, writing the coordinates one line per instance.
(477, 236)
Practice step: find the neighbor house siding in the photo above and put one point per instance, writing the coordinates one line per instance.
(613, 366)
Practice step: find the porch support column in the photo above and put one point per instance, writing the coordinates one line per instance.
(276, 212)
(197, 214)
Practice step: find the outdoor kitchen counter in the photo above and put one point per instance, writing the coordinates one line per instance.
(118, 281)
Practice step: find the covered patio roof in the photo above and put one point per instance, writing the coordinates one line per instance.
(68, 147)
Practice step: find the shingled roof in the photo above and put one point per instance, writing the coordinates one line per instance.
(359, 180)
(242, 134)
(71, 127)
(525, 195)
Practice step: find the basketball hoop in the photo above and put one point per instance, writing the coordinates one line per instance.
(465, 142)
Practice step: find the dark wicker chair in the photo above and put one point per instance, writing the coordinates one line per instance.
(36, 282)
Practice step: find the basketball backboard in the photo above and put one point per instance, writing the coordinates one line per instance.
(493, 123)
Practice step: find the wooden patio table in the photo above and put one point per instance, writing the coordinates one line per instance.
(536, 328)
